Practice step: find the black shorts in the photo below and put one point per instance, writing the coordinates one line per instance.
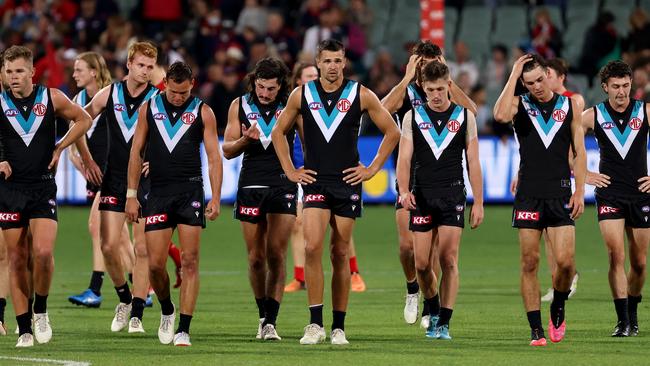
(19, 205)
(91, 192)
(341, 199)
(634, 210)
(113, 194)
(540, 213)
(432, 210)
(168, 211)
(253, 204)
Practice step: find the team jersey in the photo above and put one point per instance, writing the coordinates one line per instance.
(174, 139)
(331, 129)
(622, 141)
(97, 134)
(121, 118)
(439, 140)
(543, 131)
(413, 97)
(261, 166)
(28, 130)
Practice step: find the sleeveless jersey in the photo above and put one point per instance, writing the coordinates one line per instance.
(413, 97)
(622, 141)
(260, 166)
(331, 127)
(174, 143)
(439, 140)
(97, 134)
(121, 118)
(28, 128)
(544, 134)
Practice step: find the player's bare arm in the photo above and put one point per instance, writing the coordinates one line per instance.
(577, 201)
(506, 106)
(98, 103)
(215, 167)
(395, 98)
(644, 182)
(80, 122)
(237, 136)
(134, 170)
(474, 171)
(404, 163)
(592, 178)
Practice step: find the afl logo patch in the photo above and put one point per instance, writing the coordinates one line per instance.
(253, 116)
(453, 125)
(159, 116)
(533, 112)
(559, 115)
(354, 197)
(188, 118)
(343, 105)
(277, 113)
(635, 123)
(39, 109)
(645, 208)
(315, 106)
(607, 125)
(425, 125)
(11, 113)
(416, 102)
(196, 204)
(119, 108)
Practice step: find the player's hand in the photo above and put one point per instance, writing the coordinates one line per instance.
(518, 66)
(476, 215)
(56, 154)
(577, 204)
(645, 184)
(412, 65)
(5, 170)
(407, 199)
(213, 209)
(251, 133)
(513, 186)
(145, 169)
(132, 209)
(357, 174)
(302, 176)
(442, 60)
(597, 179)
(92, 172)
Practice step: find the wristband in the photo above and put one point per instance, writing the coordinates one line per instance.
(131, 193)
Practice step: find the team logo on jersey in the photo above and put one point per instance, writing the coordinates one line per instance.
(9, 216)
(188, 118)
(453, 126)
(26, 128)
(607, 125)
(415, 97)
(602, 210)
(127, 122)
(39, 109)
(645, 208)
(354, 197)
(155, 219)
(425, 125)
(253, 116)
(635, 123)
(527, 215)
(196, 204)
(159, 116)
(533, 112)
(343, 105)
(250, 109)
(314, 106)
(11, 113)
(421, 220)
(559, 115)
(249, 211)
(119, 108)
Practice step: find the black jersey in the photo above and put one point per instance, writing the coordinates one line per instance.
(544, 134)
(439, 140)
(121, 118)
(261, 166)
(174, 144)
(414, 97)
(97, 134)
(622, 141)
(331, 128)
(28, 128)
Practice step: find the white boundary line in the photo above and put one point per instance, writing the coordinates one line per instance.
(46, 360)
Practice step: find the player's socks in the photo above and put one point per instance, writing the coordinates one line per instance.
(632, 305)
(445, 317)
(621, 307)
(30, 307)
(354, 266)
(412, 287)
(272, 307)
(124, 293)
(260, 307)
(166, 306)
(24, 323)
(137, 308)
(299, 274)
(338, 320)
(316, 314)
(3, 304)
(40, 303)
(535, 319)
(433, 305)
(184, 323)
(557, 307)
(425, 308)
(96, 282)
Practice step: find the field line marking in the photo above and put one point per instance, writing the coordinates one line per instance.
(46, 360)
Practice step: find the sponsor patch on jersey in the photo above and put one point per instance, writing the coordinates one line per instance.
(196, 204)
(108, 200)
(253, 116)
(119, 107)
(533, 112)
(343, 105)
(645, 208)
(315, 106)
(39, 109)
(188, 118)
(425, 125)
(602, 210)
(249, 211)
(559, 115)
(459, 208)
(635, 123)
(607, 125)
(416, 102)
(453, 126)
(11, 112)
(155, 219)
(159, 116)
(354, 197)
(314, 198)
(9, 216)
(527, 215)
(421, 220)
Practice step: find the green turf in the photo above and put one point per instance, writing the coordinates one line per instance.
(489, 324)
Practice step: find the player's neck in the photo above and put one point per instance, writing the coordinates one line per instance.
(331, 86)
(134, 87)
(546, 97)
(620, 108)
(561, 90)
(91, 90)
(24, 93)
(441, 108)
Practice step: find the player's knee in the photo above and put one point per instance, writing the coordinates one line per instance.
(312, 249)
(42, 254)
(565, 266)
(275, 259)
(616, 258)
(422, 266)
(157, 269)
(141, 251)
(638, 265)
(190, 262)
(529, 263)
(448, 262)
(405, 245)
(255, 261)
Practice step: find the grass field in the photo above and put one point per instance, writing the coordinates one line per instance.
(489, 324)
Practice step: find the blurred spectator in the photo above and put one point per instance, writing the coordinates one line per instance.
(224, 91)
(383, 73)
(253, 15)
(206, 39)
(281, 40)
(640, 82)
(310, 13)
(638, 38)
(463, 63)
(483, 110)
(160, 16)
(545, 37)
(360, 15)
(328, 27)
(496, 70)
(89, 25)
(601, 45)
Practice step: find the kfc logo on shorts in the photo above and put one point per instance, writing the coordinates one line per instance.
(9, 216)
(635, 123)
(314, 106)
(155, 219)
(527, 215)
(188, 118)
(533, 112)
(249, 211)
(253, 116)
(460, 208)
(343, 105)
(108, 200)
(602, 210)
(354, 197)
(559, 115)
(607, 125)
(645, 208)
(453, 126)
(39, 109)
(11, 113)
(425, 125)
(52, 202)
(314, 198)
(421, 220)
(159, 116)
(196, 204)
(119, 108)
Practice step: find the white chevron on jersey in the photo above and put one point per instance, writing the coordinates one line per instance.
(171, 135)
(547, 129)
(439, 142)
(328, 123)
(621, 141)
(26, 128)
